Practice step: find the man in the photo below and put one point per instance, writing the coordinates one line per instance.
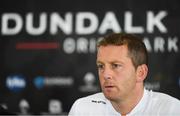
(122, 63)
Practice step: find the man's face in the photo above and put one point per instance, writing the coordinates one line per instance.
(117, 74)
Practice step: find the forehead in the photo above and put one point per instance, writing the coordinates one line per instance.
(112, 52)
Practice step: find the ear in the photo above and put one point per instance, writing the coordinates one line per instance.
(141, 72)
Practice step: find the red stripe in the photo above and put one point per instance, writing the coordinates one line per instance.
(37, 45)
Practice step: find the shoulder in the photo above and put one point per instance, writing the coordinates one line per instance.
(87, 105)
(162, 97)
(163, 102)
(95, 98)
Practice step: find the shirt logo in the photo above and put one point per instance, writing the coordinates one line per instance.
(95, 101)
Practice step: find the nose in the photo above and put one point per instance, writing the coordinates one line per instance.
(107, 73)
(107, 77)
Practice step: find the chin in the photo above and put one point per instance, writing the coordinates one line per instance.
(110, 97)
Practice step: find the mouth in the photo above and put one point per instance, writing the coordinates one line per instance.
(109, 87)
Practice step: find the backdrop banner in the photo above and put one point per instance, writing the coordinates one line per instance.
(48, 48)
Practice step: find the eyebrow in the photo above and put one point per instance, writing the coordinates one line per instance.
(99, 62)
(116, 61)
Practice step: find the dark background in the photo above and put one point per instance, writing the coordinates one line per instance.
(28, 64)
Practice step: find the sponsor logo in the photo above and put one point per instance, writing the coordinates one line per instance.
(95, 101)
(43, 81)
(84, 44)
(24, 107)
(152, 85)
(39, 82)
(89, 83)
(55, 106)
(110, 21)
(16, 83)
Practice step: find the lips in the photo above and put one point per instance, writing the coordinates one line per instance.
(108, 86)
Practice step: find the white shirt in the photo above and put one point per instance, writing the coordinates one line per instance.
(151, 104)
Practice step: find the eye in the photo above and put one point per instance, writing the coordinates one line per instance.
(100, 66)
(115, 66)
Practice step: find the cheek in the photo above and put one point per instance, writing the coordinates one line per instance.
(101, 79)
(125, 78)
(129, 81)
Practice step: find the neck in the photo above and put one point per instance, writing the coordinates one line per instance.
(126, 105)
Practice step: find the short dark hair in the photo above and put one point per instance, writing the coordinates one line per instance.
(136, 48)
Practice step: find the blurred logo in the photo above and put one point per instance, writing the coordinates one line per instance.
(89, 83)
(24, 107)
(152, 85)
(41, 81)
(16, 83)
(55, 106)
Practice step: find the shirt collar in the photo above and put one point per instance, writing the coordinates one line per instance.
(141, 105)
(138, 108)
